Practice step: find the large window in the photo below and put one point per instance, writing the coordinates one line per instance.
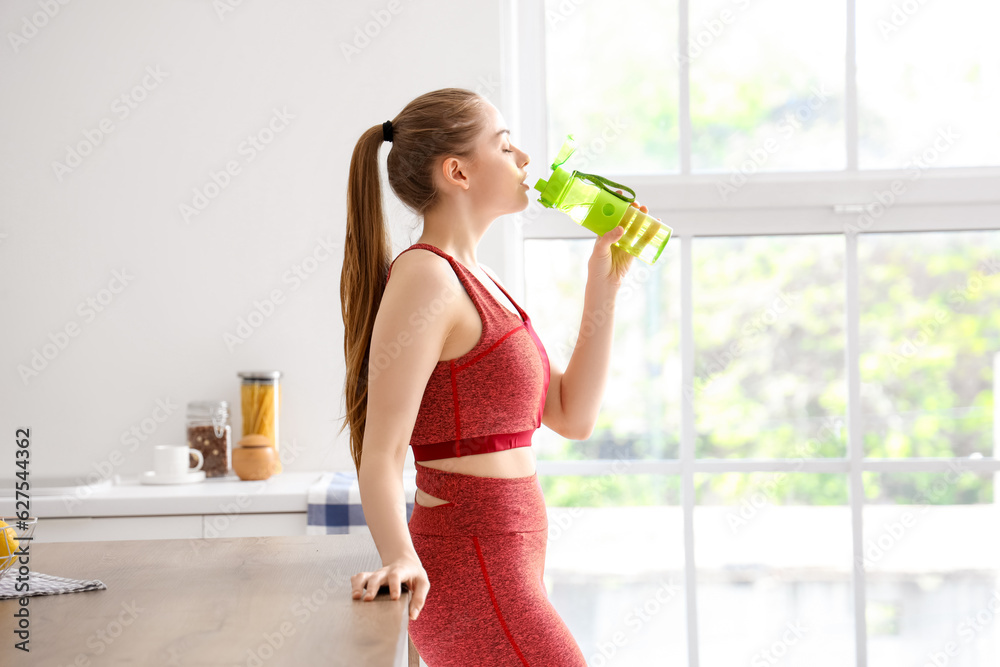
(796, 457)
(768, 83)
(938, 59)
(930, 321)
(775, 566)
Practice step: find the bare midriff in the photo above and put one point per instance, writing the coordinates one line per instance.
(517, 462)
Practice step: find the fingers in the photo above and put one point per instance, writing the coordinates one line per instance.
(420, 588)
(366, 585)
(373, 585)
(610, 236)
(358, 584)
(370, 581)
(394, 586)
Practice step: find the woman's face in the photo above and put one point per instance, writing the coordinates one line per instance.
(498, 180)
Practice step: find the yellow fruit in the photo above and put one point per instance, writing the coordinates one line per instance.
(8, 546)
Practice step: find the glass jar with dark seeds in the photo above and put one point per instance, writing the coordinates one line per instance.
(209, 431)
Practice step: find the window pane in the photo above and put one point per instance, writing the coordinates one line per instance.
(615, 572)
(769, 346)
(928, 83)
(767, 85)
(932, 563)
(612, 82)
(774, 570)
(640, 413)
(930, 488)
(930, 336)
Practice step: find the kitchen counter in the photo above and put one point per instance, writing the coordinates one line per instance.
(203, 603)
(127, 496)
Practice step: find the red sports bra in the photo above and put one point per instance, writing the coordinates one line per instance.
(492, 397)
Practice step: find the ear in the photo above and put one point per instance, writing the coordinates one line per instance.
(452, 171)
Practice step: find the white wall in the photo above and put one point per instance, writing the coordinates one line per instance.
(160, 338)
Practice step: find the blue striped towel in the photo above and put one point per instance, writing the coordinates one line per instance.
(335, 503)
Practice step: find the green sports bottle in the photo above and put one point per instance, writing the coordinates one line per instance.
(592, 202)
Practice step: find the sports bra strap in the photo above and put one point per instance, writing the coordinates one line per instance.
(426, 246)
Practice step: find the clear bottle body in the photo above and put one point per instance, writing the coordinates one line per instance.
(589, 200)
(645, 236)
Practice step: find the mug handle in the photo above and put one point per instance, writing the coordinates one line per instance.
(201, 459)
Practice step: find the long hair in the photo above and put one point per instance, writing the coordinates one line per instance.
(440, 123)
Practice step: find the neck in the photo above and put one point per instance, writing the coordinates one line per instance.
(457, 230)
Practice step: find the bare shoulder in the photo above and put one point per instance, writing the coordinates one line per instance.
(419, 272)
(419, 277)
(407, 339)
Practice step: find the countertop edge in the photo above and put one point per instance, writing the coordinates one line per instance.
(285, 492)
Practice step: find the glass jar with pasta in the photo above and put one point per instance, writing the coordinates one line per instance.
(260, 405)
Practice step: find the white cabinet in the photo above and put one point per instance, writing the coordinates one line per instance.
(114, 528)
(193, 526)
(128, 510)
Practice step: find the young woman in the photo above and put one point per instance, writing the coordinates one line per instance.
(442, 359)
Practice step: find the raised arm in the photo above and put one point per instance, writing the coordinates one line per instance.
(574, 397)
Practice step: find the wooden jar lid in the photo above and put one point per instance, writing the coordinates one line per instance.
(255, 440)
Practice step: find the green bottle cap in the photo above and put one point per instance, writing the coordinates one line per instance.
(553, 190)
(594, 202)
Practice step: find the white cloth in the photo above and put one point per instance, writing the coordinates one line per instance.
(45, 584)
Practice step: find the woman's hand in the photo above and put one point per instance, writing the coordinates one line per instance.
(402, 570)
(609, 263)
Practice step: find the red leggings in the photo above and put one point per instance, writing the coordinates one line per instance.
(484, 553)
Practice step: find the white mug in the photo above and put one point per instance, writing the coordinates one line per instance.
(171, 460)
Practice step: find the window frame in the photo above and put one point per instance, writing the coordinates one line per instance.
(771, 203)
